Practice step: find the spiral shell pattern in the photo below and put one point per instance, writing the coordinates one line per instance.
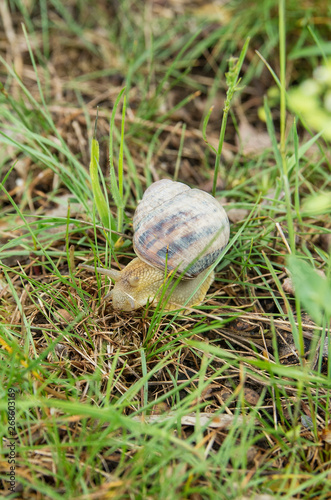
(182, 228)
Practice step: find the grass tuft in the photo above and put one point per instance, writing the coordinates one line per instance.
(231, 400)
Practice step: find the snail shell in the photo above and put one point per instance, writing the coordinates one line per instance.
(182, 228)
(175, 229)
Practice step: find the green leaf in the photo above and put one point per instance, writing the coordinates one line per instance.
(99, 198)
(313, 291)
(114, 189)
(317, 204)
(204, 129)
(272, 134)
(311, 51)
(302, 151)
(117, 189)
(112, 126)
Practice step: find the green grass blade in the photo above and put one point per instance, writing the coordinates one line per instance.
(99, 198)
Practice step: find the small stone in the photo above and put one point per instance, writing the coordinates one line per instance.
(61, 350)
(237, 214)
(251, 396)
(325, 351)
(225, 394)
(326, 434)
(63, 316)
(325, 242)
(288, 286)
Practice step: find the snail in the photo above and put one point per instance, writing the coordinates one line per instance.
(178, 232)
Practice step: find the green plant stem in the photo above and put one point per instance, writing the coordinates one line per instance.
(282, 61)
(120, 208)
(117, 189)
(220, 147)
(99, 198)
(286, 183)
(232, 80)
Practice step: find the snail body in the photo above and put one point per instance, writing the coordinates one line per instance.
(178, 232)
